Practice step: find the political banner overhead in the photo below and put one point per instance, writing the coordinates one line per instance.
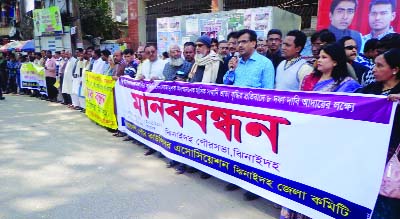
(362, 20)
(297, 149)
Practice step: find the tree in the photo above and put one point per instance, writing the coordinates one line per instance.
(96, 19)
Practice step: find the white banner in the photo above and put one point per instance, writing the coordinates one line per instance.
(319, 154)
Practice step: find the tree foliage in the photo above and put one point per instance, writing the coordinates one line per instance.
(96, 19)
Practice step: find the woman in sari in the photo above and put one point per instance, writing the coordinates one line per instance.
(387, 75)
(330, 74)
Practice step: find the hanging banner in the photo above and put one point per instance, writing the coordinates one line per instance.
(47, 21)
(33, 77)
(362, 20)
(99, 99)
(300, 150)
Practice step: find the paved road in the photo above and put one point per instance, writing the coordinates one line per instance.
(55, 163)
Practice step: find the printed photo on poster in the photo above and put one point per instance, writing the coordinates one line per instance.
(175, 37)
(162, 24)
(174, 24)
(192, 25)
(361, 20)
(235, 22)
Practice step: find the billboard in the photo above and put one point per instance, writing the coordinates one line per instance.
(47, 21)
(361, 20)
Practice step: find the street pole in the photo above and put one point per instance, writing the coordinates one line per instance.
(77, 22)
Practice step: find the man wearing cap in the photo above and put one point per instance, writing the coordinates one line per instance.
(207, 65)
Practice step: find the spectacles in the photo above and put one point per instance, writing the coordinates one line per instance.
(243, 41)
(199, 45)
(151, 52)
(350, 47)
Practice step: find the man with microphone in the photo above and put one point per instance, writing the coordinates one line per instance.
(251, 69)
(247, 68)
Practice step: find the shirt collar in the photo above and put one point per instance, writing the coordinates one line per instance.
(252, 57)
(381, 35)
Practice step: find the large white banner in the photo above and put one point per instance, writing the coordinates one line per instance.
(319, 154)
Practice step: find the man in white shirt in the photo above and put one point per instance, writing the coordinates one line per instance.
(153, 69)
(98, 64)
(67, 82)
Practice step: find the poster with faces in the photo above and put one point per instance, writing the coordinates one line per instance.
(368, 18)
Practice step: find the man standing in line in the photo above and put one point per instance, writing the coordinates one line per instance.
(176, 66)
(189, 51)
(291, 72)
(274, 40)
(120, 64)
(50, 72)
(153, 69)
(250, 70)
(67, 82)
(98, 63)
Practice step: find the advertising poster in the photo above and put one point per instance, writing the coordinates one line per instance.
(47, 21)
(174, 24)
(162, 24)
(362, 20)
(162, 41)
(235, 22)
(211, 28)
(192, 25)
(248, 19)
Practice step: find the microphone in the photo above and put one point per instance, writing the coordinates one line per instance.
(237, 56)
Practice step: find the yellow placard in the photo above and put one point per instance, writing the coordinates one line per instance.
(99, 98)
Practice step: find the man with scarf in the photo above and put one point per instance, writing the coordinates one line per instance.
(208, 65)
(176, 66)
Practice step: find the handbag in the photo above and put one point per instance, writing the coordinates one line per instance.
(391, 179)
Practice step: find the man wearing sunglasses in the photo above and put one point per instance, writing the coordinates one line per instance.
(153, 68)
(350, 48)
(207, 65)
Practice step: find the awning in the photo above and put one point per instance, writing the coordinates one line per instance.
(26, 46)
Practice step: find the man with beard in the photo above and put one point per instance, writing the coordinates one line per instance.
(176, 65)
(350, 47)
(208, 65)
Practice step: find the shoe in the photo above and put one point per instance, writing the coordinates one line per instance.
(2, 98)
(231, 187)
(172, 163)
(83, 111)
(192, 170)
(77, 108)
(181, 169)
(129, 138)
(149, 152)
(205, 175)
(161, 155)
(250, 196)
(120, 134)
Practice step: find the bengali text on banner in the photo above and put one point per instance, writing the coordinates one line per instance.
(33, 77)
(301, 150)
(100, 99)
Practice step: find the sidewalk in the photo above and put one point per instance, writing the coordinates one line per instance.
(55, 163)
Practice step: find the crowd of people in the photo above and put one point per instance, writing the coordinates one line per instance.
(242, 60)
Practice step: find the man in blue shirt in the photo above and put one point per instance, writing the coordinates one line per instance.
(251, 69)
